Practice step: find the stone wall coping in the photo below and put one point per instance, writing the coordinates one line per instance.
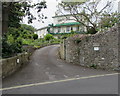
(24, 53)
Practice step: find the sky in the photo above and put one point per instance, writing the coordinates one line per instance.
(50, 12)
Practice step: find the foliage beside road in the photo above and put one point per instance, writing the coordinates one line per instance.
(13, 32)
(40, 42)
(12, 41)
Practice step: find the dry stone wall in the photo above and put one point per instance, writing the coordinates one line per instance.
(10, 65)
(99, 50)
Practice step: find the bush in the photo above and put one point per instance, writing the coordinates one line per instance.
(26, 41)
(35, 36)
(11, 46)
(72, 32)
(63, 37)
(14, 39)
(10, 39)
(48, 37)
(36, 46)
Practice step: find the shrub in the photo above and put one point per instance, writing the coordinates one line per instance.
(10, 39)
(11, 46)
(49, 37)
(72, 32)
(64, 37)
(35, 36)
(36, 46)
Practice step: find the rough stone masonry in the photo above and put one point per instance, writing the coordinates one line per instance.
(99, 50)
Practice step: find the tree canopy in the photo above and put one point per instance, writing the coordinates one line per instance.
(86, 13)
(13, 31)
(109, 20)
(13, 13)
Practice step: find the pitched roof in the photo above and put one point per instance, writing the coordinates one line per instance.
(42, 28)
(62, 15)
(67, 24)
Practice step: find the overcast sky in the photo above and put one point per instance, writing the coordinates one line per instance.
(50, 11)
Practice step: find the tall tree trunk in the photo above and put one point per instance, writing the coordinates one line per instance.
(0, 18)
(5, 12)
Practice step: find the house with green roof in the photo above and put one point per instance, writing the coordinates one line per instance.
(62, 24)
(66, 24)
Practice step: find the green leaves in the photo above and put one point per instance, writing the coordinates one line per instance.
(11, 46)
(48, 37)
(35, 36)
(17, 10)
(10, 39)
(109, 20)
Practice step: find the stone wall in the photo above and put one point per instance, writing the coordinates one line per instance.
(62, 50)
(72, 51)
(10, 65)
(99, 50)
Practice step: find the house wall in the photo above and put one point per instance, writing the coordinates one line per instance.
(63, 29)
(41, 33)
(63, 19)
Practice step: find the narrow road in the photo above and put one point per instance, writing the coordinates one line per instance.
(45, 65)
(96, 85)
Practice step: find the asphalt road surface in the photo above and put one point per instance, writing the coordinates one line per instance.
(47, 74)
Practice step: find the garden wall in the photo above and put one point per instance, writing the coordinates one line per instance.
(99, 50)
(10, 65)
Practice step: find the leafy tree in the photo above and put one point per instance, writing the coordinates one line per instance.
(86, 13)
(109, 20)
(12, 41)
(12, 30)
(49, 37)
(11, 46)
(13, 13)
(28, 27)
(26, 31)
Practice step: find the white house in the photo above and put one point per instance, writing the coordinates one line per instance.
(66, 24)
(62, 24)
(41, 32)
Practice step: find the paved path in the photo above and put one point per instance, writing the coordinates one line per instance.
(46, 66)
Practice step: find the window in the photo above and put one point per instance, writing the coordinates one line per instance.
(67, 18)
(59, 29)
(71, 28)
(77, 29)
(67, 29)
